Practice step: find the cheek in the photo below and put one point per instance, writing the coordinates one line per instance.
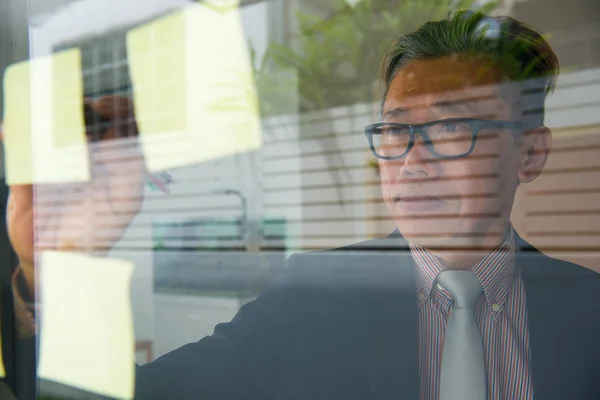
(473, 183)
(388, 174)
(483, 189)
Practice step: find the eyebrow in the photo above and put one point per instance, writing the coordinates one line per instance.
(395, 113)
(453, 106)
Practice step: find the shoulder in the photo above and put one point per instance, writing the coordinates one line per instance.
(536, 264)
(375, 263)
(552, 279)
(571, 272)
(363, 254)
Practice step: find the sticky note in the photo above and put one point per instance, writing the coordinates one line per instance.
(44, 128)
(194, 93)
(87, 340)
(17, 124)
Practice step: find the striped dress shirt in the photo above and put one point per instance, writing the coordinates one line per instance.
(500, 313)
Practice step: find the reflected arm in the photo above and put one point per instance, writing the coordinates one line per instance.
(18, 348)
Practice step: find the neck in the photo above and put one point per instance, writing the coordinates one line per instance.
(457, 259)
(468, 256)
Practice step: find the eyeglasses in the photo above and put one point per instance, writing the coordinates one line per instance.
(448, 138)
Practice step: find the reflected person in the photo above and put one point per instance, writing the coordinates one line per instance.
(66, 215)
(470, 311)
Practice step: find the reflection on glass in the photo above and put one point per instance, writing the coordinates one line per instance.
(44, 126)
(17, 121)
(96, 290)
(195, 98)
(466, 165)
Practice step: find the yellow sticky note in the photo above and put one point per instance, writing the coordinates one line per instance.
(194, 93)
(17, 124)
(67, 100)
(44, 127)
(88, 340)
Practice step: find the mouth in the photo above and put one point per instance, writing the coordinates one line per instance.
(415, 203)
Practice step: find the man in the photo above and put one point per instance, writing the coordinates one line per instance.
(471, 311)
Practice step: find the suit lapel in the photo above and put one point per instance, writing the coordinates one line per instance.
(543, 332)
(394, 367)
(395, 373)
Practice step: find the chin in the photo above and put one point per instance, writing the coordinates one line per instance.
(436, 232)
(423, 240)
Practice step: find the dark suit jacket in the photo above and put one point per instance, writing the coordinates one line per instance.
(342, 324)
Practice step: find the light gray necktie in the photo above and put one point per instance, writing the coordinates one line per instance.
(463, 368)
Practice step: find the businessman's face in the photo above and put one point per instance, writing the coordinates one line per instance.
(457, 202)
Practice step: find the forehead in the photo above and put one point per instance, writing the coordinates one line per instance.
(421, 83)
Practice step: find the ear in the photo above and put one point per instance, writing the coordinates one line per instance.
(535, 147)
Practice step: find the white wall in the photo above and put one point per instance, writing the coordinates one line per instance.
(575, 101)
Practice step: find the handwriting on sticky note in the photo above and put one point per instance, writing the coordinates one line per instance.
(87, 339)
(44, 128)
(197, 101)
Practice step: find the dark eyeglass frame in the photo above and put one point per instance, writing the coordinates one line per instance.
(475, 124)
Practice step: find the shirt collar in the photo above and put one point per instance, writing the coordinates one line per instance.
(495, 272)
(427, 269)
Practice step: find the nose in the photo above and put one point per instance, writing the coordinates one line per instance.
(419, 163)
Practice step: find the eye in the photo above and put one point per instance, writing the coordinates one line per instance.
(394, 131)
(452, 127)
(394, 135)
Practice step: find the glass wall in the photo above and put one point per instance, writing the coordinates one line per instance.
(231, 199)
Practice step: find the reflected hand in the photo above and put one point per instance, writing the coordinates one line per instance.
(85, 216)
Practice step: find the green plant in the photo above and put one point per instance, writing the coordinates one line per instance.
(337, 58)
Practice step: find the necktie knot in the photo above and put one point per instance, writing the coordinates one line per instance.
(464, 286)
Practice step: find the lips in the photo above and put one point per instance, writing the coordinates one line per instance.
(419, 202)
